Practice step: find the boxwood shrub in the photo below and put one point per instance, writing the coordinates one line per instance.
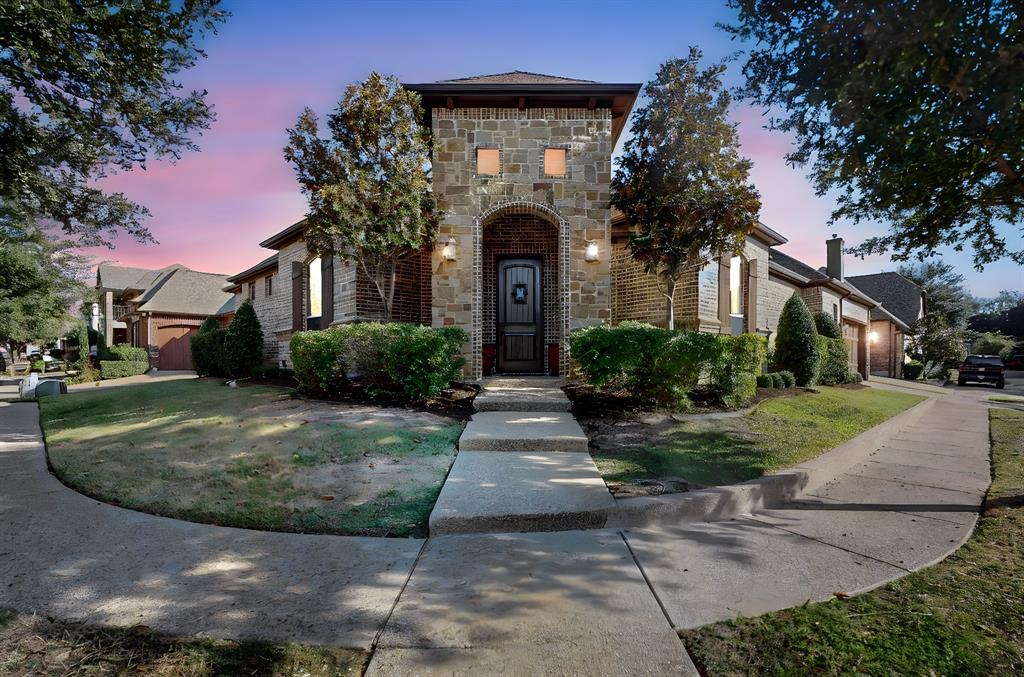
(208, 349)
(390, 360)
(122, 352)
(912, 370)
(787, 378)
(764, 381)
(121, 368)
(663, 367)
(777, 381)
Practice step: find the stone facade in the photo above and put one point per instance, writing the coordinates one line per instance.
(575, 204)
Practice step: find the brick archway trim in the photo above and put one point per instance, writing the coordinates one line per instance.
(549, 214)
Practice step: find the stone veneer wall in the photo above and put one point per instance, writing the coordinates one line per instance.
(576, 203)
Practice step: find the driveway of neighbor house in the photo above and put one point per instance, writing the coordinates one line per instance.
(484, 602)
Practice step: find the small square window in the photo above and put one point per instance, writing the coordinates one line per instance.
(554, 162)
(488, 161)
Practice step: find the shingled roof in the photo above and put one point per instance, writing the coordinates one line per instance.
(795, 266)
(518, 78)
(173, 289)
(898, 295)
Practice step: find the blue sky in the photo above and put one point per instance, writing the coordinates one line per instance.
(270, 59)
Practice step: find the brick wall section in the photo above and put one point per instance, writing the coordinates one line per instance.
(577, 202)
(886, 351)
(778, 293)
(412, 292)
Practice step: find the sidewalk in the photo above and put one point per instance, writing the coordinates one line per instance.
(560, 603)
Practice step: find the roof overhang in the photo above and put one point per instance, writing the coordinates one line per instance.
(266, 265)
(286, 236)
(619, 97)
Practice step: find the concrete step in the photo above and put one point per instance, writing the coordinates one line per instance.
(521, 491)
(523, 431)
(522, 397)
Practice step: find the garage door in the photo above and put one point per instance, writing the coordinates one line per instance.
(175, 346)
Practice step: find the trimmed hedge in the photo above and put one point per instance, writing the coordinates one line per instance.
(912, 370)
(765, 381)
(662, 366)
(122, 352)
(796, 342)
(777, 381)
(835, 363)
(121, 368)
(788, 378)
(390, 361)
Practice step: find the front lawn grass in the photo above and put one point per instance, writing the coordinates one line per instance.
(33, 645)
(250, 457)
(962, 616)
(780, 433)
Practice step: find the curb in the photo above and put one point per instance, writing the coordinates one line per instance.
(770, 491)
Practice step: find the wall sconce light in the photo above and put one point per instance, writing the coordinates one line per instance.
(448, 251)
(873, 336)
(591, 252)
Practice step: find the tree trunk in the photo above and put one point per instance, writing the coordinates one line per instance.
(670, 294)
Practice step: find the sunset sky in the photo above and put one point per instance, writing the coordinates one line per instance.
(271, 59)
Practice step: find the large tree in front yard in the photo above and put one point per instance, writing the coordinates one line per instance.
(368, 183)
(87, 88)
(681, 181)
(910, 111)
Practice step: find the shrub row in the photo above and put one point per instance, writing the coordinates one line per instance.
(664, 366)
(776, 379)
(122, 368)
(390, 361)
(834, 364)
(122, 352)
(235, 351)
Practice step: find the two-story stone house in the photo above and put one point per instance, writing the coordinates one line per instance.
(529, 248)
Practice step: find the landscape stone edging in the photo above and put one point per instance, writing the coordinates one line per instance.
(770, 491)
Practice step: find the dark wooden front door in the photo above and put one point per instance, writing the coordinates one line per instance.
(520, 329)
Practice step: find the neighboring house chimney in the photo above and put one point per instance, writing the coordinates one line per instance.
(834, 264)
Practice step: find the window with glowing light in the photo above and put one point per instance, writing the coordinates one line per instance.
(554, 162)
(314, 290)
(736, 295)
(488, 161)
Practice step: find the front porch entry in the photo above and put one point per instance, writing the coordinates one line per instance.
(522, 306)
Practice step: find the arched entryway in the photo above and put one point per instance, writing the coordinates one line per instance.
(521, 290)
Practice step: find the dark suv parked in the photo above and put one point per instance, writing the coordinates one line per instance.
(982, 369)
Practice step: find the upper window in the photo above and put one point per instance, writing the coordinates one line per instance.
(554, 162)
(835, 312)
(736, 295)
(252, 291)
(488, 161)
(314, 289)
(268, 285)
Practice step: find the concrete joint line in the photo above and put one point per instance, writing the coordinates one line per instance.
(394, 605)
(754, 518)
(913, 484)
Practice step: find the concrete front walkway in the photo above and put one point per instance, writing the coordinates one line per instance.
(571, 602)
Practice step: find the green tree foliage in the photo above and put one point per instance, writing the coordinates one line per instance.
(86, 87)
(937, 344)
(208, 349)
(946, 289)
(796, 342)
(826, 326)
(243, 342)
(909, 111)
(991, 343)
(81, 340)
(1000, 303)
(368, 184)
(681, 181)
(1009, 322)
(40, 281)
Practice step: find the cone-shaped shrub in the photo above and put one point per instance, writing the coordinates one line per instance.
(208, 349)
(796, 342)
(827, 326)
(243, 342)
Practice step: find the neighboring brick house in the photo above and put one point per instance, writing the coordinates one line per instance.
(158, 309)
(903, 304)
